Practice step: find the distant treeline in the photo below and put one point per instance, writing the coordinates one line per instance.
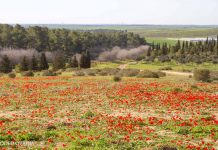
(184, 51)
(68, 41)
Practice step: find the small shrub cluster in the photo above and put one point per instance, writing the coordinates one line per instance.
(147, 74)
(27, 74)
(48, 73)
(129, 72)
(161, 74)
(166, 68)
(117, 78)
(79, 73)
(202, 75)
(12, 75)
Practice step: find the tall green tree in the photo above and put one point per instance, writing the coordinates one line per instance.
(73, 62)
(33, 64)
(43, 64)
(58, 61)
(5, 65)
(82, 62)
(24, 64)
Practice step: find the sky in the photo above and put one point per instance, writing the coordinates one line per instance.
(190, 12)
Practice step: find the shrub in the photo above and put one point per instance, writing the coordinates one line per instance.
(90, 72)
(1, 74)
(166, 68)
(161, 74)
(12, 75)
(59, 72)
(147, 74)
(103, 73)
(48, 73)
(27, 74)
(167, 148)
(89, 114)
(129, 72)
(202, 75)
(111, 71)
(79, 73)
(117, 78)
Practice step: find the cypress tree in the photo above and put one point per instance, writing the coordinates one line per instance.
(58, 61)
(33, 64)
(5, 65)
(82, 61)
(74, 62)
(24, 64)
(43, 64)
(88, 60)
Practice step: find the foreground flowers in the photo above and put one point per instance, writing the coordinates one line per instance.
(73, 112)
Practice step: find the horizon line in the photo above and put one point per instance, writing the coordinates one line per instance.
(117, 24)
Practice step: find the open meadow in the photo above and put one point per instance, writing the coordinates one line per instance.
(71, 112)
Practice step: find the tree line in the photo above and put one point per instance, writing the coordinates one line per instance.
(68, 41)
(38, 64)
(185, 51)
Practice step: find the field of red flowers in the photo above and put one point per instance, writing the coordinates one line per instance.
(97, 113)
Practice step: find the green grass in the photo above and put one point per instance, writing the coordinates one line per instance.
(152, 31)
(156, 65)
(161, 41)
(101, 65)
(173, 65)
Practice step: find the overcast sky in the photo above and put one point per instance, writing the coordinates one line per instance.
(203, 12)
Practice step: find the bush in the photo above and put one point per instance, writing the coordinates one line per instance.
(103, 73)
(79, 73)
(48, 73)
(12, 75)
(59, 72)
(161, 74)
(27, 74)
(202, 75)
(110, 71)
(166, 68)
(129, 72)
(90, 72)
(117, 78)
(1, 74)
(147, 74)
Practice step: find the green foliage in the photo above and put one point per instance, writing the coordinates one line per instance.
(160, 74)
(12, 75)
(147, 74)
(129, 72)
(48, 73)
(89, 114)
(79, 73)
(166, 68)
(68, 41)
(85, 60)
(73, 62)
(24, 64)
(201, 75)
(117, 78)
(43, 64)
(5, 65)
(27, 74)
(58, 61)
(29, 137)
(33, 64)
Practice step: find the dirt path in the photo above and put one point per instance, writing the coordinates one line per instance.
(178, 73)
(122, 66)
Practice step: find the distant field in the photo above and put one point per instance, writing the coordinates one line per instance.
(161, 41)
(157, 65)
(149, 31)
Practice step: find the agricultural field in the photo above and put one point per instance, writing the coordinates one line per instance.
(70, 112)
